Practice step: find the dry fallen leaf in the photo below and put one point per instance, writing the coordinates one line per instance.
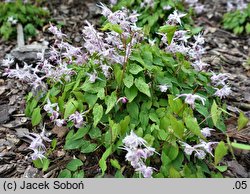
(60, 131)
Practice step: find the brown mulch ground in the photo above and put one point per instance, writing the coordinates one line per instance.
(226, 53)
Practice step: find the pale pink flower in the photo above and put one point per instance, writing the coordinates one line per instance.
(124, 100)
(206, 132)
(223, 92)
(163, 88)
(190, 99)
(133, 141)
(77, 119)
(175, 17)
(199, 65)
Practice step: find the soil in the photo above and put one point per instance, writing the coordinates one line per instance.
(226, 53)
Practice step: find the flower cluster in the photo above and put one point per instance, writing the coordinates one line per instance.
(12, 20)
(77, 119)
(175, 18)
(147, 3)
(200, 149)
(136, 154)
(113, 2)
(55, 67)
(219, 80)
(190, 99)
(236, 5)
(110, 47)
(7, 62)
(198, 7)
(124, 100)
(163, 87)
(26, 74)
(180, 43)
(114, 47)
(37, 144)
(53, 111)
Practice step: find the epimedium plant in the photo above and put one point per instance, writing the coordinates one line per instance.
(153, 13)
(155, 106)
(13, 12)
(238, 18)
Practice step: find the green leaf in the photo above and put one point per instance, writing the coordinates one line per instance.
(115, 163)
(124, 125)
(144, 117)
(242, 121)
(193, 125)
(97, 112)
(112, 27)
(177, 126)
(215, 113)
(73, 144)
(131, 93)
(175, 105)
(70, 108)
(75, 141)
(147, 57)
(46, 163)
(221, 168)
(30, 29)
(81, 132)
(248, 28)
(149, 139)
(162, 135)
(220, 152)
(169, 30)
(240, 146)
(102, 161)
(172, 151)
(93, 88)
(110, 101)
(173, 173)
(88, 147)
(118, 74)
(38, 163)
(101, 94)
(95, 133)
(115, 128)
(136, 57)
(135, 69)
(79, 96)
(36, 116)
(128, 80)
(78, 174)
(64, 174)
(74, 164)
(142, 86)
(154, 117)
(91, 98)
(53, 144)
(133, 110)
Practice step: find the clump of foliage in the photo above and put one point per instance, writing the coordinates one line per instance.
(30, 16)
(238, 21)
(125, 98)
(153, 13)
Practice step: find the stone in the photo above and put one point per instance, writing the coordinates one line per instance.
(20, 132)
(28, 53)
(30, 172)
(237, 168)
(4, 113)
